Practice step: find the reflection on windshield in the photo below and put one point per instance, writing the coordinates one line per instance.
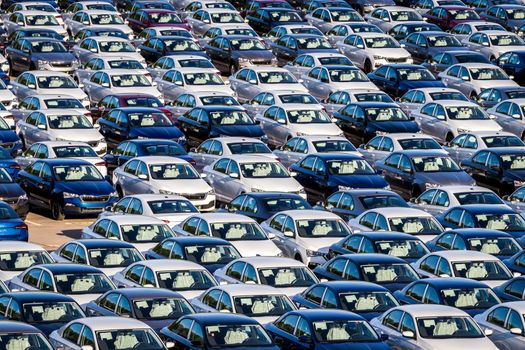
(481, 270)
(448, 327)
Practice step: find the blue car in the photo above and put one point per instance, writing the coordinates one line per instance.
(516, 263)
(492, 217)
(9, 139)
(264, 19)
(468, 295)
(325, 173)
(402, 245)
(366, 299)
(12, 194)
(498, 243)
(46, 311)
(12, 331)
(325, 330)
(8, 162)
(513, 63)
(219, 331)
(12, 228)
(388, 271)
(511, 290)
(157, 307)
(66, 186)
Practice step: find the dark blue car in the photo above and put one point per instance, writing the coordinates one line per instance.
(156, 307)
(498, 243)
(412, 172)
(66, 186)
(397, 79)
(9, 139)
(288, 47)
(220, 331)
(366, 299)
(12, 331)
(516, 263)
(511, 290)
(8, 162)
(12, 228)
(468, 295)
(425, 45)
(325, 173)
(325, 330)
(264, 19)
(388, 271)
(46, 311)
(12, 194)
(513, 63)
(402, 245)
(158, 46)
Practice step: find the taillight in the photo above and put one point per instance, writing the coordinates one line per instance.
(21, 227)
(278, 159)
(192, 162)
(101, 164)
(166, 221)
(14, 166)
(9, 116)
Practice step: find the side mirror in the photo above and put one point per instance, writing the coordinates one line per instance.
(444, 275)
(87, 347)
(42, 126)
(93, 49)
(170, 344)
(106, 85)
(108, 208)
(516, 274)
(413, 200)
(289, 234)
(516, 331)
(281, 121)
(402, 45)
(465, 78)
(143, 176)
(31, 86)
(409, 334)
(252, 81)
(293, 173)
(203, 176)
(488, 332)
(234, 175)
(360, 46)
(271, 236)
(179, 83)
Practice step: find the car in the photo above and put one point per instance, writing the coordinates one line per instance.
(463, 30)
(191, 99)
(446, 119)
(8, 163)
(18, 256)
(511, 290)
(129, 123)
(303, 63)
(66, 186)
(423, 46)
(227, 29)
(185, 277)
(33, 19)
(143, 232)
(277, 32)
(339, 99)
(365, 299)
(161, 31)
(441, 61)
(88, 5)
(14, 333)
(509, 115)
(265, 19)
(13, 195)
(401, 245)
(165, 63)
(233, 175)
(43, 102)
(515, 262)
(108, 255)
(47, 311)
(145, 18)
(431, 327)
(88, 32)
(510, 16)
(94, 17)
(493, 44)
(252, 5)
(398, 219)
(310, 5)
(325, 329)
(299, 147)
(260, 206)
(515, 200)
(323, 174)
(391, 272)
(362, 121)
(101, 63)
(491, 96)
(80, 282)
(12, 227)
(350, 203)
(154, 48)
(128, 334)
(505, 322)
(403, 30)
(448, 16)
(326, 18)
(386, 17)
(223, 330)
(7, 98)
(105, 46)
(290, 46)
(204, 19)
(512, 62)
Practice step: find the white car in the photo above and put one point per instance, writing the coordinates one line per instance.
(306, 235)
(289, 275)
(95, 18)
(415, 98)
(17, 256)
(111, 62)
(233, 175)
(493, 43)
(387, 17)
(431, 327)
(191, 99)
(202, 20)
(105, 46)
(33, 20)
(242, 232)
(7, 98)
(326, 18)
(303, 63)
(510, 115)
(506, 322)
(143, 232)
(406, 220)
(262, 303)
(339, 99)
(164, 175)
(48, 101)
(464, 29)
(468, 264)
(185, 277)
(165, 63)
(264, 100)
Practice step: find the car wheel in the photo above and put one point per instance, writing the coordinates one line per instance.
(57, 210)
(298, 258)
(473, 96)
(120, 192)
(368, 66)
(232, 69)
(449, 137)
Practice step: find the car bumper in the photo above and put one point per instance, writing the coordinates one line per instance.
(204, 205)
(13, 234)
(379, 62)
(78, 206)
(314, 261)
(58, 68)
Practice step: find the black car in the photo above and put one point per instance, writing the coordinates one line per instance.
(423, 46)
(260, 206)
(230, 52)
(492, 96)
(444, 59)
(289, 46)
(362, 121)
(513, 63)
(402, 30)
(157, 47)
(264, 19)
(33, 33)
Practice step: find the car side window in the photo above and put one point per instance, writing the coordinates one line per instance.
(32, 277)
(429, 264)
(480, 158)
(181, 327)
(368, 220)
(278, 221)
(221, 165)
(72, 332)
(393, 319)
(446, 240)
(109, 302)
(454, 216)
(212, 298)
(417, 291)
(135, 273)
(426, 197)
(315, 295)
(431, 296)
(516, 288)
(498, 316)
(124, 307)
(408, 325)
(190, 225)
(288, 323)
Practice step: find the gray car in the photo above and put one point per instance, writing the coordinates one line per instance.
(303, 63)
(341, 31)
(202, 20)
(99, 18)
(165, 63)
(493, 43)
(33, 20)
(388, 16)
(508, 330)
(415, 98)
(101, 63)
(261, 102)
(189, 100)
(516, 200)
(339, 99)
(34, 102)
(510, 115)
(326, 18)
(105, 46)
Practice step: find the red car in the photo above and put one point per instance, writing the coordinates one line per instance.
(448, 16)
(142, 19)
(127, 100)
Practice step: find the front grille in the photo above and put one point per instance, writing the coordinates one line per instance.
(92, 143)
(194, 196)
(61, 64)
(397, 60)
(89, 198)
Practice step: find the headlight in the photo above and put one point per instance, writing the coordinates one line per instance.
(518, 183)
(243, 60)
(210, 192)
(166, 192)
(311, 253)
(379, 57)
(113, 194)
(255, 190)
(462, 131)
(5, 67)
(430, 185)
(344, 188)
(23, 197)
(42, 62)
(301, 134)
(70, 195)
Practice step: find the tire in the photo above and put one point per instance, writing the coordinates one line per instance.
(449, 137)
(367, 66)
(57, 210)
(24, 146)
(473, 96)
(298, 258)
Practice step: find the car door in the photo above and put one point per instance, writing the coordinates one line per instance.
(476, 166)
(216, 178)
(305, 176)
(389, 170)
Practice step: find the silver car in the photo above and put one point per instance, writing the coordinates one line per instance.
(236, 174)
(165, 63)
(17, 256)
(277, 32)
(341, 31)
(202, 20)
(261, 102)
(510, 115)
(102, 63)
(446, 119)
(340, 98)
(21, 20)
(191, 99)
(415, 98)
(326, 18)
(303, 63)
(465, 29)
(226, 29)
(387, 17)
(516, 200)
(493, 43)
(100, 18)
(193, 6)
(105, 46)
(509, 334)
(47, 101)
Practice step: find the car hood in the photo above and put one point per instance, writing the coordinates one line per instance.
(151, 90)
(390, 52)
(414, 84)
(182, 186)
(95, 188)
(408, 126)
(303, 51)
(253, 54)
(10, 190)
(475, 125)
(8, 136)
(365, 85)
(210, 88)
(485, 84)
(264, 248)
(459, 344)
(156, 132)
(54, 56)
(238, 130)
(515, 174)
(446, 178)
(291, 86)
(193, 53)
(273, 184)
(77, 134)
(359, 181)
(75, 92)
(325, 129)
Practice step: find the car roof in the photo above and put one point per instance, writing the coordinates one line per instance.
(464, 255)
(221, 318)
(259, 69)
(480, 232)
(102, 243)
(223, 217)
(486, 208)
(301, 106)
(498, 32)
(455, 103)
(368, 258)
(371, 104)
(309, 214)
(314, 315)
(152, 142)
(17, 327)
(233, 139)
(169, 264)
(9, 246)
(120, 71)
(390, 235)
(337, 156)
(352, 286)
(431, 310)
(99, 12)
(59, 268)
(463, 188)
(405, 135)
(507, 150)
(476, 65)
(48, 73)
(156, 196)
(222, 108)
(64, 161)
(106, 38)
(133, 219)
(493, 133)
(272, 195)
(110, 322)
(187, 240)
(515, 305)
(144, 292)
(369, 192)
(161, 160)
(38, 296)
(453, 282)
(422, 153)
(271, 262)
(247, 158)
(324, 54)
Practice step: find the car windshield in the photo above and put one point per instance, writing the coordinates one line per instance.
(145, 233)
(495, 245)
(478, 198)
(284, 16)
(402, 248)
(346, 75)
(386, 114)
(313, 43)
(275, 205)
(128, 339)
(344, 331)
(470, 298)
(227, 17)
(423, 143)
(330, 146)
(286, 277)
(389, 273)
(247, 44)
(449, 95)
(116, 33)
(367, 301)
(103, 7)
(503, 222)
(185, 280)
(125, 64)
(30, 340)
(513, 161)
(218, 101)
(238, 231)
(196, 63)
(164, 18)
(161, 308)
(276, 78)
(113, 257)
(471, 58)
(248, 147)
(381, 42)
(517, 14)
(435, 164)
(308, 116)
(19, 261)
(74, 151)
(56, 82)
(171, 206)
(41, 7)
(148, 120)
(345, 15)
(336, 60)
(322, 228)
(63, 103)
(50, 312)
(47, 47)
(414, 74)
(211, 254)
(159, 149)
(403, 16)
(503, 141)
(463, 14)
(448, 327)
(106, 19)
(488, 74)
(465, 113)
(77, 173)
(349, 167)
(373, 97)
(203, 79)
(415, 225)
(481, 270)
(41, 20)
(4, 176)
(130, 80)
(82, 283)
(115, 46)
(486, 27)
(240, 336)
(181, 45)
(505, 40)
(516, 94)
(175, 32)
(382, 201)
(365, 28)
(264, 170)
(142, 102)
(262, 305)
(230, 118)
(241, 31)
(68, 122)
(173, 172)
(311, 31)
(40, 34)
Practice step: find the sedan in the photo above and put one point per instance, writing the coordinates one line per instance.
(510, 115)
(512, 290)
(16, 332)
(105, 46)
(145, 18)
(448, 16)
(505, 321)
(95, 18)
(425, 45)
(47, 101)
(303, 63)
(326, 18)
(202, 20)
(515, 263)
(402, 30)
(491, 96)
(111, 62)
(155, 48)
(290, 46)
(493, 43)
(264, 19)
(443, 60)
(386, 17)
(14, 196)
(339, 99)
(510, 16)
(513, 63)
(165, 63)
